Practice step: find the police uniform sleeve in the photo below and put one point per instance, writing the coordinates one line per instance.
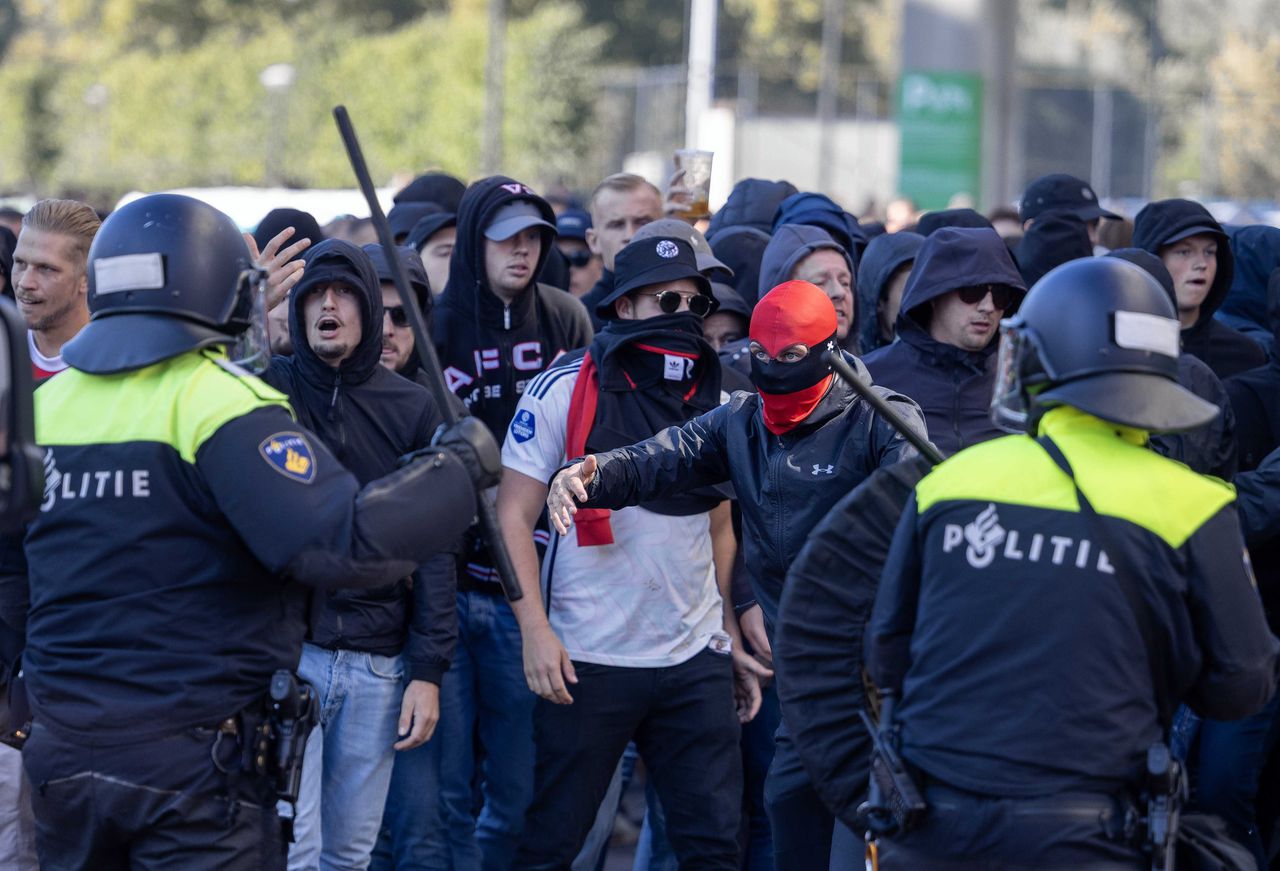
(887, 651)
(301, 513)
(676, 460)
(433, 623)
(1239, 671)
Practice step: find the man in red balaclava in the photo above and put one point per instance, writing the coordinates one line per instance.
(791, 451)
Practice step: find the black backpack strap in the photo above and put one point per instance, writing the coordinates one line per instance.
(1128, 581)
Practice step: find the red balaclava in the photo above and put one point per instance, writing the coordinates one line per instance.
(794, 312)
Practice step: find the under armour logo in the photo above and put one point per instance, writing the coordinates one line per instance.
(823, 470)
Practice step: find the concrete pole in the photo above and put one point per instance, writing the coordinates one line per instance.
(701, 67)
(828, 91)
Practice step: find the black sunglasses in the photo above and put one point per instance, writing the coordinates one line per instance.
(1001, 295)
(579, 259)
(669, 301)
(398, 317)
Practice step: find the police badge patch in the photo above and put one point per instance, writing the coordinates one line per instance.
(290, 455)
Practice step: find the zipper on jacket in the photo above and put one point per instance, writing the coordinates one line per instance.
(333, 400)
(506, 316)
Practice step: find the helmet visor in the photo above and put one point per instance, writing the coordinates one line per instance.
(251, 349)
(1009, 404)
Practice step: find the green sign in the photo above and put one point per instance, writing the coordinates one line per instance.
(940, 119)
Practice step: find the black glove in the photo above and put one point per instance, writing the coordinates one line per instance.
(472, 443)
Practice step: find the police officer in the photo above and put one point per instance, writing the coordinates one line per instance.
(1049, 597)
(181, 499)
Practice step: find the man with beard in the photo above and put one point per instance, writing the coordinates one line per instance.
(50, 278)
(637, 613)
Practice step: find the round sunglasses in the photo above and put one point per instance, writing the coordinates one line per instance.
(669, 301)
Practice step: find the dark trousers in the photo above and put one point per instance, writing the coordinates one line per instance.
(683, 722)
(801, 824)
(162, 804)
(963, 831)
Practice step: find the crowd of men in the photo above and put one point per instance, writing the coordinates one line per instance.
(671, 431)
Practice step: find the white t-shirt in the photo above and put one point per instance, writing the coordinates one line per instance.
(648, 600)
(41, 365)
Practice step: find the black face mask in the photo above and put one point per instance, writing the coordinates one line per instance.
(776, 377)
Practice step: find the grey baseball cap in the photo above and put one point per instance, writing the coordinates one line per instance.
(514, 217)
(674, 228)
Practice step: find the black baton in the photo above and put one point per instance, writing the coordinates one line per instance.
(426, 350)
(845, 371)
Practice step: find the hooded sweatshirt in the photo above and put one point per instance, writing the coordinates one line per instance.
(1255, 394)
(790, 244)
(819, 210)
(952, 386)
(885, 255)
(490, 351)
(753, 202)
(368, 417)
(1227, 351)
(1056, 237)
(742, 250)
(1256, 250)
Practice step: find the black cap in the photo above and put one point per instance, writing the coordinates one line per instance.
(1066, 193)
(573, 224)
(303, 223)
(652, 261)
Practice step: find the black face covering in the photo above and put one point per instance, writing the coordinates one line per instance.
(778, 378)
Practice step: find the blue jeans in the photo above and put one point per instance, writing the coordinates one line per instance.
(483, 692)
(1228, 759)
(412, 814)
(347, 767)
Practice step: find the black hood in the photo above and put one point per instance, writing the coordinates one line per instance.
(753, 202)
(932, 221)
(434, 187)
(1273, 312)
(885, 255)
(1166, 220)
(1152, 264)
(742, 250)
(468, 288)
(413, 268)
(336, 260)
(428, 226)
(953, 258)
(7, 243)
(1256, 252)
(1054, 239)
(819, 210)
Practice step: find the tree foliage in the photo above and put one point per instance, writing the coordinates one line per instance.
(101, 110)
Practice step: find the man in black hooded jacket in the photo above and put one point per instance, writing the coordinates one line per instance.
(496, 328)
(1194, 249)
(360, 643)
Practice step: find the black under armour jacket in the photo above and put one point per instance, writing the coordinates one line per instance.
(369, 417)
(785, 483)
(490, 350)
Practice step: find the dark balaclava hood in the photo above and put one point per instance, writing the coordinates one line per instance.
(304, 225)
(753, 202)
(335, 260)
(1256, 251)
(885, 255)
(791, 313)
(434, 187)
(931, 221)
(742, 250)
(819, 210)
(1161, 223)
(1056, 237)
(468, 289)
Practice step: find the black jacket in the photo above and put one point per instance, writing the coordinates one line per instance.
(1001, 618)
(598, 293)
(490, 351)
(784, 484)
(953, 386)
(1255, 395)
(1256, 249)
(368, 417)
(1227, 351)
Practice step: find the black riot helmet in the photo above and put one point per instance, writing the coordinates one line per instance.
(169, 274)
(1100, 335)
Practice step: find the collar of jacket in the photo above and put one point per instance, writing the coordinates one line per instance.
(1067, 422)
